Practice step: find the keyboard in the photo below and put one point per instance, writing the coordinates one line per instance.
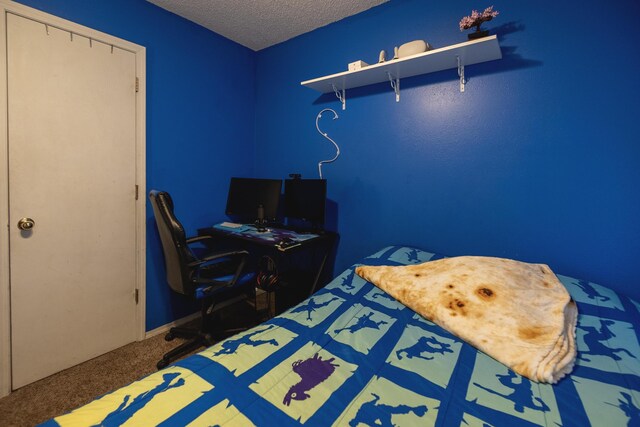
(230, 224)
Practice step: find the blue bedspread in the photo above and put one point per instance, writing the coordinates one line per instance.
(352, 356)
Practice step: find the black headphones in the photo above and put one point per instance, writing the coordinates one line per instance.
(268, 276)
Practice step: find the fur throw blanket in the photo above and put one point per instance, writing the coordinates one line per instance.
(518, 313)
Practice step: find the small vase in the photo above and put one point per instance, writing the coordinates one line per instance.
(478, 34)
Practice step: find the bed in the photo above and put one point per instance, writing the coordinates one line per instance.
(350, 355)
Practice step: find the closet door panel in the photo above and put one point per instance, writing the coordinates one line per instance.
(72, 143)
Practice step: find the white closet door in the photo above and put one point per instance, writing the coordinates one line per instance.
(72, 130)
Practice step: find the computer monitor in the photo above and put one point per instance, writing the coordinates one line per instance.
(247, 194)
(305, 199)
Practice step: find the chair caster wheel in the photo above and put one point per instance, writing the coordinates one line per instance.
(162, 364)
(208, 340)
(169, 336)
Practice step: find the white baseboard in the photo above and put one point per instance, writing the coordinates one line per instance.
(165, 328)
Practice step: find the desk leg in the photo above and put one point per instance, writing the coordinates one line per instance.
(265, 303)
(320, 269)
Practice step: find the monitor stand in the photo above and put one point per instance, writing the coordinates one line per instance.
(261, 222)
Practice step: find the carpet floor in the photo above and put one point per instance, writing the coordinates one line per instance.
(64, 391)
(76, 386)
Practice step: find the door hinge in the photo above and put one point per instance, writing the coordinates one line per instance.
(137, 85)
(137, 295)
(137, 192)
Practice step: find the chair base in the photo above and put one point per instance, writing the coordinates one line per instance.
(196, 338)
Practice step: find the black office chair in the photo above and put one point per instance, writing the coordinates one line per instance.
(213, 279)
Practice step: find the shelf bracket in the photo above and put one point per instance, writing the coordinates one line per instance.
(341, 95)
(395, 85)
(461, 74)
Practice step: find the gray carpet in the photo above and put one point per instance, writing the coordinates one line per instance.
(76, 386)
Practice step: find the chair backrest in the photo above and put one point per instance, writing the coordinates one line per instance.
(177, 254)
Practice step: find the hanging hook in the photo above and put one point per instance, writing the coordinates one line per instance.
(46, 28)
(71, 36)
(335, 116)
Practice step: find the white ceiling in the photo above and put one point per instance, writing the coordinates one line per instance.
(257, 24)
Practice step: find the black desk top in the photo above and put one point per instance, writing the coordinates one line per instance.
(279, 238)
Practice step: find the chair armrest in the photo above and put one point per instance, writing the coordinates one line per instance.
(218, 255)
(242, 255)
(195, 239)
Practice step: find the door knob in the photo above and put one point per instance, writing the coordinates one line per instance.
(26, 224)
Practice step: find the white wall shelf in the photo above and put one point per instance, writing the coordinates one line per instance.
(456, 56)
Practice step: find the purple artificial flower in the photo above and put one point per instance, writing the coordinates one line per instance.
(476, 18)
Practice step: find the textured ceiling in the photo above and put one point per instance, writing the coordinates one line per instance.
(257, 24)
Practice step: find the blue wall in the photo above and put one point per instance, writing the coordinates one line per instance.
(200, 110)
(538, 160)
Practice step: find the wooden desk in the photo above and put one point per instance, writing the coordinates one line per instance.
(289, 249)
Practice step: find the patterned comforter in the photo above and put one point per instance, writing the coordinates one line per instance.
(350, 355)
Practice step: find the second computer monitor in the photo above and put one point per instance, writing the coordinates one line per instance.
(305, 199)
(246, 195)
